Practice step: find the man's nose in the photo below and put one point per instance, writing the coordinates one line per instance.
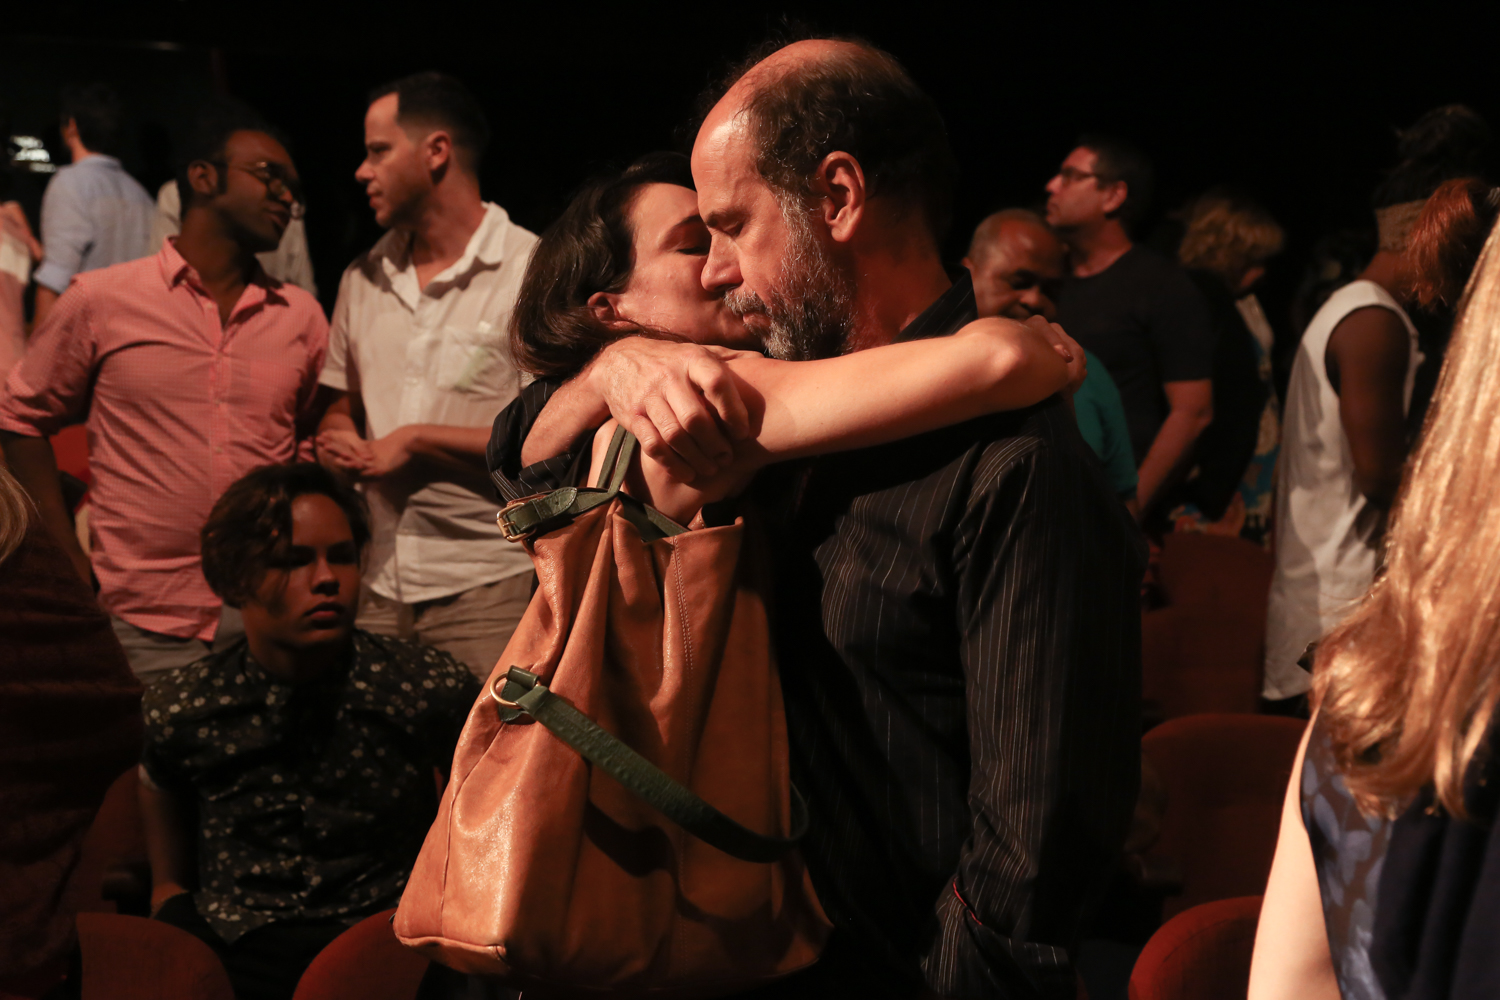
(721, 271)
(362, 173)
(1055, 184)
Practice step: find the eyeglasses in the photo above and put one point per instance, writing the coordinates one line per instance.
(1072, 175)
(277, 178)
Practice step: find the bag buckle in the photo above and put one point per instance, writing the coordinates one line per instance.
(506, 689)
(508, 528)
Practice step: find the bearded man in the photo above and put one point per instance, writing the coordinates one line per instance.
(955, 615)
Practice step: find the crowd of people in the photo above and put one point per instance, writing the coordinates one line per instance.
(286, 586)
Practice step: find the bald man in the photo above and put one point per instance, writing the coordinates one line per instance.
(957, 621)
(1016, 262)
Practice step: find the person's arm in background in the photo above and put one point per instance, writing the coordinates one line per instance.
(1291, 960)
(312, 396)
(169, 842)
(1367, 358)
(66, 235)
(42, 394)
(1191, 411)
(1183, 338)
(340, 441)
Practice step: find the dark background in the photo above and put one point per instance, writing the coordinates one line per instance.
(1297, 106)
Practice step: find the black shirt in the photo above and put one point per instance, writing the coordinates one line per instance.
(1147, 322)
(958, 632)
(313, 799)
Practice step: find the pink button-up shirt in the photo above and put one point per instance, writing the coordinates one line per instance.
(179, 407)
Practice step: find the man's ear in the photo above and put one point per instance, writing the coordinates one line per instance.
(437, 152)
(605, 308)
(1115, 197)
(839, 187)
(204, 178)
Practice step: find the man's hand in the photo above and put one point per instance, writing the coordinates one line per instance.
(345, 451)
(1069, 349)
(390, 454)
(679, 400)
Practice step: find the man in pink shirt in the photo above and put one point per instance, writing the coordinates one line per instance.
(193, 367)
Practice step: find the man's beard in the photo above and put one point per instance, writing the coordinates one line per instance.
(811, 314)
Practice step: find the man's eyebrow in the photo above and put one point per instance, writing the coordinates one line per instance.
(717, 220)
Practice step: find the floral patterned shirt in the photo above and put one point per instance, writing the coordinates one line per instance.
(313, 799)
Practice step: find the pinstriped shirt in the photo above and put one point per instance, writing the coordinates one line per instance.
(958, 631)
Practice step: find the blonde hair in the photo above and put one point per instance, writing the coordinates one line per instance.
(1228, 234)
(15, 513)
(1407, 685)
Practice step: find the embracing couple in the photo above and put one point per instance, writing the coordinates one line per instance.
(955, 607)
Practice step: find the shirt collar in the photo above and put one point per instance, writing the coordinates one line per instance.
(953, 309)
(486, 248)
(98, 160)
(176, 270)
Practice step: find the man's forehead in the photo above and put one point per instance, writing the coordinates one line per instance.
(1081, 157)
(250, 145)
(1030, 247)
(381, 114)
(722, 158)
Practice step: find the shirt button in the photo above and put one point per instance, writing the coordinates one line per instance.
(218, 449)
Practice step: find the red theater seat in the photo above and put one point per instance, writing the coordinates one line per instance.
(1200, 954)
(1217, 570)
(70, 448)
(131, 958)
(115, 844)
(366, 961)
(1195, 658)
(1225, 778)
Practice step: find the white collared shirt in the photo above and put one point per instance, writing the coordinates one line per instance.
(439, 355)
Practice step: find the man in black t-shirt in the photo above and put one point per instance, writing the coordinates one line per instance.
(1135, 309)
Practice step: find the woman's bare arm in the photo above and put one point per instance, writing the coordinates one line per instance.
(887, 393)
(685, 401)
(871, 397)
(1291, 959)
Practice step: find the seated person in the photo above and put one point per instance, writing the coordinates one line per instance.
(288, 782)
(625, 258)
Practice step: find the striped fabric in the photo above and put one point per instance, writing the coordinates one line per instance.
(958, 631)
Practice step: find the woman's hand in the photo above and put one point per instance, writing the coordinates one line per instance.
(1069, 349)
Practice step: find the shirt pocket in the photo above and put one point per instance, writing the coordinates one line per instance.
(474, 361)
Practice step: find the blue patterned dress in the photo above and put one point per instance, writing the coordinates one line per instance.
(1348, 849)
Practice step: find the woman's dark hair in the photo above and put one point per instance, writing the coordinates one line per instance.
(589, 249)
(250, 527)
(1444, 144)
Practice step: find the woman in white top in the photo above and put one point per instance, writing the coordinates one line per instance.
(1345, 441)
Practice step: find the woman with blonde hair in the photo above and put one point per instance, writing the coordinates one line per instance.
(1383, 883)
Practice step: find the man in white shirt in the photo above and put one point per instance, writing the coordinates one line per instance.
(418, 365)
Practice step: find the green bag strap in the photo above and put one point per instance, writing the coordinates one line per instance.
(523, 693)
(546, 512)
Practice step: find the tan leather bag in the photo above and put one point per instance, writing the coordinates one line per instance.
(652, 657)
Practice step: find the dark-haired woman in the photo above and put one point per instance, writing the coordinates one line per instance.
(626, 257)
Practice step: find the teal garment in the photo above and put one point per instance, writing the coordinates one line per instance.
(1101, 421)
